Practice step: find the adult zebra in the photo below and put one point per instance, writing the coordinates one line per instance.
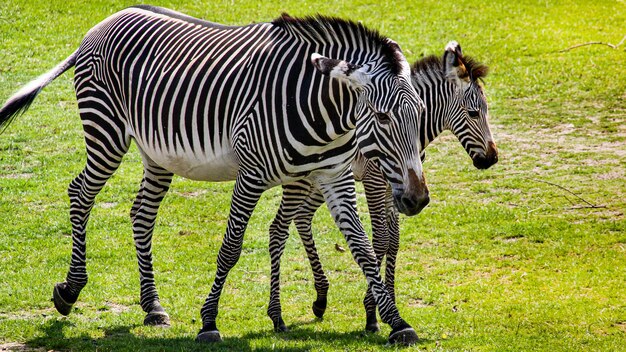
(260, 104)
(455, 101)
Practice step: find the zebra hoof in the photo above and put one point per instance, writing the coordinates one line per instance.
(157, 319)
(319, 308)
(209, 337)
(279, 326)
(62, 304)
(404, 336)
(372, 327)
(371, 323)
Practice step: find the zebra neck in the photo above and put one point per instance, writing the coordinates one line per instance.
(435, 95)
(343, 39)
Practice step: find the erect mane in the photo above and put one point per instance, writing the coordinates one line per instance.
(476, 69)
(328, 30)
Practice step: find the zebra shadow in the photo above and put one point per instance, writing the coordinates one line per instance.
(307, 335)
(53, 335)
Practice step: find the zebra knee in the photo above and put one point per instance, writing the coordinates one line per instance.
(133, 211)
(73, 190)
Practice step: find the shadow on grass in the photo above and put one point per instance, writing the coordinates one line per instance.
(122, 339)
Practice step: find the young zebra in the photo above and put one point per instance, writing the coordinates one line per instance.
(260, 104)
(455, 101)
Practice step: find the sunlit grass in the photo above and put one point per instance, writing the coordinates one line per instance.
(501, 259)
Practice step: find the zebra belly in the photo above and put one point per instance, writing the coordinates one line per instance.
(222, 167)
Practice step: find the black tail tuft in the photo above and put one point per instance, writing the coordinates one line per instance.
(20, 101)
(15, 107)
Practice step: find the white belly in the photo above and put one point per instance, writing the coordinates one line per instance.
(223, 167)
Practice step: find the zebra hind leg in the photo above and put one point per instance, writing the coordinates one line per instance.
(303, 224)
(104, 156)
(154, 186)
(293, 196)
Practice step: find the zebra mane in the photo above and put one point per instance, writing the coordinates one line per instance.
(476, 69)
(329, 29)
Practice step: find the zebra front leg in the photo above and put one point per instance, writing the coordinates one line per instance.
(303, 224)
(155, 184)
(375, 187)
(340, 196)
(246, 194)
(293, 196)
(394, 245)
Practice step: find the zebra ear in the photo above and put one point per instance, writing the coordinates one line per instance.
(340, 69)
(456, 71)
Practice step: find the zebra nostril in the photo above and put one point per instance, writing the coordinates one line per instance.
(409, 202)
(483, 162)
(414, 203)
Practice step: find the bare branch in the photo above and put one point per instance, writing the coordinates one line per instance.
(585, 44)
(589, 205)
(612, 46)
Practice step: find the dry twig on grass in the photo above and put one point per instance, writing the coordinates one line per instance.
(589, 205)
(612, 46)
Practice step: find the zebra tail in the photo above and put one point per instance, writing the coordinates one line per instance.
(19, 102)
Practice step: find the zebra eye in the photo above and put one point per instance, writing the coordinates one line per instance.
(383, 117)
(473, 113)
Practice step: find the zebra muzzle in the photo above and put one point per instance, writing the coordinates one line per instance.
(484, 161)
(412, 199)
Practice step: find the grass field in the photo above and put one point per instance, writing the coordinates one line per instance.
(528, 255)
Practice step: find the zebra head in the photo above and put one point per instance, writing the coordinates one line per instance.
(471, 121)
(387, 120)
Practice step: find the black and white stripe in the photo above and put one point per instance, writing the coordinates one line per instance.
(263, 104)
(455, 101)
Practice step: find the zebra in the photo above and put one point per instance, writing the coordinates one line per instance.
(455, 101)
(263, 104)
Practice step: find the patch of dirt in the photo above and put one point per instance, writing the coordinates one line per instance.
(116, 308)
(621, 325)
(418, 303)
(190, 194)
(106, 205)
(607, 213)
(512, 238)
(16, 177)
(28, 314)
(429, 243)
(20, 347)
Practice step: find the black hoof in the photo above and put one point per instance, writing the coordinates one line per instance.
(279, 325)
(372, 327)
(157, 319)
(209, 337)
(405, 337)
(319, 308)
(371, 323)
(62, 304)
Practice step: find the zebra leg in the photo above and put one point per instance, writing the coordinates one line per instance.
(104, 155)
(293, 196)
(155, 184)
(246, 194)
(303, 224)
(394, 245)
(340, 196)
(375, 188)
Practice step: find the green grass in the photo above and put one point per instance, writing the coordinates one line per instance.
(499, 261)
